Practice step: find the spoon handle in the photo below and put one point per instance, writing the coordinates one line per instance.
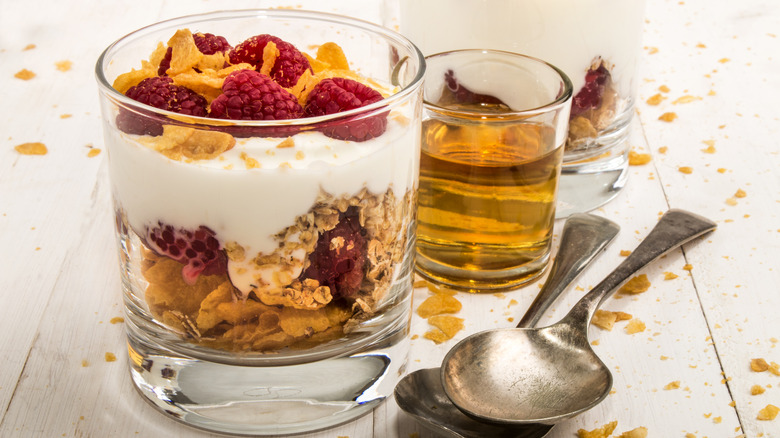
(675, 228)
(584, 236)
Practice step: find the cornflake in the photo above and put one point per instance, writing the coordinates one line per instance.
(35, 148)
(639, 432)
(672, 385)
(637, 159)
(63, 65)
(603, 432)
(757, 389)
(668, 117)
(635, 326)
(768, 413)
(437, 304)
(670, 275)
(446, 327)
(24, 74)
(759, 365)
(685, 169)
(636, 285)
(655, 99)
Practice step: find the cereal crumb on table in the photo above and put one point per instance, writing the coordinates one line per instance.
(636, 285)
(639, 432)
(668, 117)
(35, 148)
(84, 363)
(635, 326)
(759, 365)
(602, 432)
(655, 99)
(757, 389)
(670, 275)
(637, 159)
(688, 267)
(24, 74)
(110, 357)
(663, 149)
(672, 385)
(29, 47)
(685, 169)
(94, 152)
(117, 320)
(663, 89)
(63, 65)
(768, 413)
(685, 99)
(625, 253)
(437, 304)
(740, 193)
(446, 327)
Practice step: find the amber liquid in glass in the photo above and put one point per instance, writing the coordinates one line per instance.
(486, 198)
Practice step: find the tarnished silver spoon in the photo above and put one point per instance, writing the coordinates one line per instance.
(421, 394)
(545, 375)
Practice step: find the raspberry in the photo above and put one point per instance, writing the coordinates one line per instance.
(336, 95)
(589, 96)
(339, 259)
(197, 250)
(161, 93)
(288, 67)
(455, 93)
(207, 43)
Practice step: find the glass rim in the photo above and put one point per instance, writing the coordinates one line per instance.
(381, 105)
(564, 96)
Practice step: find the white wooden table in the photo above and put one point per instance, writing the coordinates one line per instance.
(59, 280)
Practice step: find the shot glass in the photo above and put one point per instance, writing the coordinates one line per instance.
(595, 42)
(266, 265)
(493, 135)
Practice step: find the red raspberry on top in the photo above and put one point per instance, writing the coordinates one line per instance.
(207, 43)
(336, 95)
(288, 67)
(199, 251)
(249, 95)
(161, 93)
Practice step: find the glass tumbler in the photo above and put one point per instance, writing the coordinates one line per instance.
(493, 134)
(595, 42)
(266, 264)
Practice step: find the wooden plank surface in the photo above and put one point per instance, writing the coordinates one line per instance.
(60, 283)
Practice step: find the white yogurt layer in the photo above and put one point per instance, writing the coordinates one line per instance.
(249, 206)
(569, 34)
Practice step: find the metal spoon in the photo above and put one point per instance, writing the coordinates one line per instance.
(421, 394)
(545, 375)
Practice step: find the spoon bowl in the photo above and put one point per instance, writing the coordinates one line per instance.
(420, 393)
(545, 375)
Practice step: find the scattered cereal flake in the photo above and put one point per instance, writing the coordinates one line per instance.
(663, 89)
(415, 337)
(655, 99)
(635, 326)
(723, 60)
(110, 357)
(595, 342)
(774, 368)
(625, 253)
(637, 159)
(757, 389)
(84, 363)
(672, 385)
(670, 275)
(652, 50)
(690, 435)
(604, 319)
(685, 99)
(623, 316)
(717, 420)
(512, 302)
(759, 365)
(602, 432)
(24, 74)
(687, 267)
(701, 46)
(768, 413)
(731, 201)
(664, 357)
(299, 155)
(668, 117)
(636, 285)
(663, 149)
(286, 143)
(685, 169)
(446, 327)
(35, 148)
(732, 403)
(94, 152)
(63, 65)
(740, 193)
(117, 320)
(437, 304)
(29, 47)
(639, 432)
(66, 116)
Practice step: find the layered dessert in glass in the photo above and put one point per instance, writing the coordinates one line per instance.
(264, 172)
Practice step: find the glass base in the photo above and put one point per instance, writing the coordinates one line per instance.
(589, 184)
(268, 400)
(481, 281)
